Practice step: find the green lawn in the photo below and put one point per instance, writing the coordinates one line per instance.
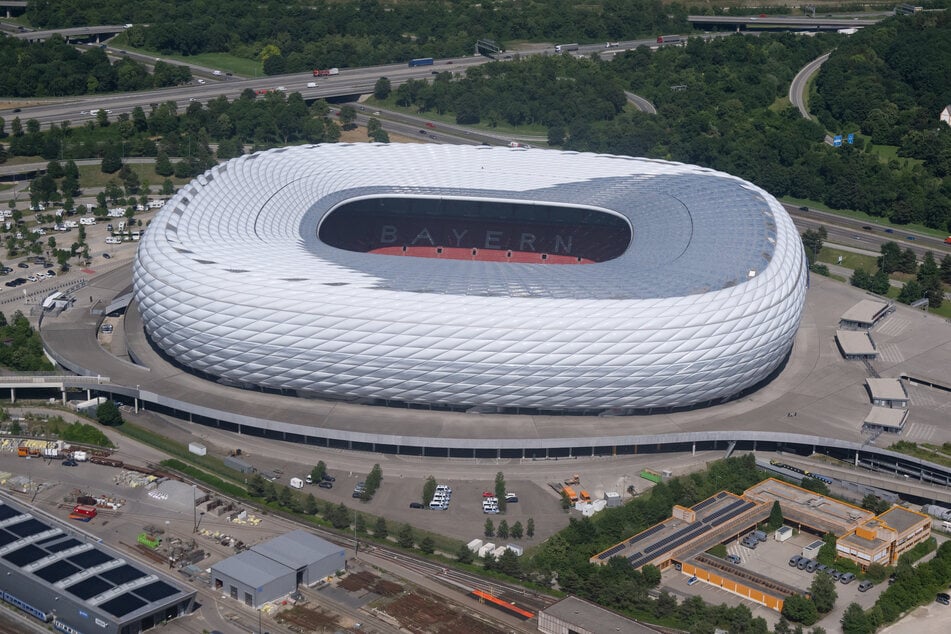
(850, 260)
(224, 62)
(92, 176)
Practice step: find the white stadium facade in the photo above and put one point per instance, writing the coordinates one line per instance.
(474, 278)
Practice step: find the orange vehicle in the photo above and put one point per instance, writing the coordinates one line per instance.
(584, 496)
(947, 240)
(570, 493)
(22, 451)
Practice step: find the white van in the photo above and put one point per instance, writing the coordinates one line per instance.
(87, 221)
(297, 483)
(311, 84)
(113, 240)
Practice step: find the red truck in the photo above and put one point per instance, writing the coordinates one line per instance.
(325, 72)
(947, 240)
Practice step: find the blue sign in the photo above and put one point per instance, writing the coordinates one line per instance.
(850, 139)
(837, 140)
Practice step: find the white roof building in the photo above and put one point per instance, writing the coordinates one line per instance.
(474, 277)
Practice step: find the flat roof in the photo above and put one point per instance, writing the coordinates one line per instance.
(296, 549)
(809, 508)
(658, 541)
(869, 545)
(252, 569)
(864, 312)
(855, 342)
(594, 618)
(886, 389)
(901, 519)
(886, 416)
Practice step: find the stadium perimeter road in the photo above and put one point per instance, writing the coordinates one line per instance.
(818, 393)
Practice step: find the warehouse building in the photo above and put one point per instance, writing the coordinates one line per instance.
(58, 575)
(275, 568)
(574, 615)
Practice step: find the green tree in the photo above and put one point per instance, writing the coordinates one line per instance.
(775, 517)
(489, 528)
(464, 555)
(814, 485)
(530, 528)
(429, 489)
(502, 532)
(928, 268)
(382, 88)
(879, 283)
(373, 481)
(823, 593)
(860, 278)
(517, 530)
(256, 485)
(500, 490)
(827, 552)
(284, 498)
(111, 160)
(108, 414)
(317, 473)
(875, 504)
(910, 292)
(855, 621)
(347, 116)
(339, 517)
(509, 564)
(812, 241)
(427, 545)
(945, 269)
(799, 609)
(360, 524)
(651, 575)
(310, 504)
(379, 528)
(269, 492)
(405, 537)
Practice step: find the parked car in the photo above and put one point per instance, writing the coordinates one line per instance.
(847, 577)
(325, 485)
(106, 255)
(910, 238)
(889, 231)
(70, 463)
(794, 560)
(692, 580)
(328, 478)
(733, 559)
(23, 265)
(415, 505)
(865, 586)
(943, 598)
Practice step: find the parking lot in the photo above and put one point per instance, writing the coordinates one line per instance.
(771, 559)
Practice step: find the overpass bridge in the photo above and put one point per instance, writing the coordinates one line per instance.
(782, 22)
(78, 33)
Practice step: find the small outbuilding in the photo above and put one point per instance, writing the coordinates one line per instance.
(855, 344)
(887, 393)
(887, 419)
(864, 315)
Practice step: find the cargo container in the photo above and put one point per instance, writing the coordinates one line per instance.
(475, 545)
(650, 474)
(197, 448)
(83, 513)
(613, 499)
(233, 462)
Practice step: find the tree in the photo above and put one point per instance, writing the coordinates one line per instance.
(775, 517)
(373, 481)
(464, 555)
(427, 545)
(530, 528)
(268, 492)
(855, 621)
(317, 473)
(348, 115)
(339, 516)
(379, 528)
(310, 504)
(860, 278)
(891, 255)
(517, 530)
(429, 489)
(879, 283)
(284, 498)
(404, 536)
(500, 490)
(489, 528)
(826, 555)
(108, 414)
(945, 270)
(651, 575)
(111, 160)
(928, 268)
(508, 564)
(910, 292)
(875, 504)
(360, 524)
(823, 593)
(812, 240)
(382, 88)
(814, 485)
(799, 609)
(256, 485)
(502, 532)
(163, 166)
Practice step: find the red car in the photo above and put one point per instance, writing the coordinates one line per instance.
(488, 494)
(430, 124)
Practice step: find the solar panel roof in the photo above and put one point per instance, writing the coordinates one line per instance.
(89, 587)
(90, 558)
(155, 591)
(122, 574)
(23, 556)
(56, 571)
(123, 604)
(6, 538)
(28, 527)
(6, 512)
(66, 544)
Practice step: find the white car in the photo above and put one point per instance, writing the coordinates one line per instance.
(113, 240)
(216, 73)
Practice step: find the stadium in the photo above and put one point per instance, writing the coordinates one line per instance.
(473, 278)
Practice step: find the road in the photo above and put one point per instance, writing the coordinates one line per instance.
(797, 89)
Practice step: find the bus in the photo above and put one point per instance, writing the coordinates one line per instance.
(421, 61)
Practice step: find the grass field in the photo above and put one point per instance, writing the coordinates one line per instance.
(92, 176)
(217, 61)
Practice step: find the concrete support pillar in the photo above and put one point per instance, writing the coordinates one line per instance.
(693, 448)
(136, 401)
(88, 394)
(13, 395)
(63, 392)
